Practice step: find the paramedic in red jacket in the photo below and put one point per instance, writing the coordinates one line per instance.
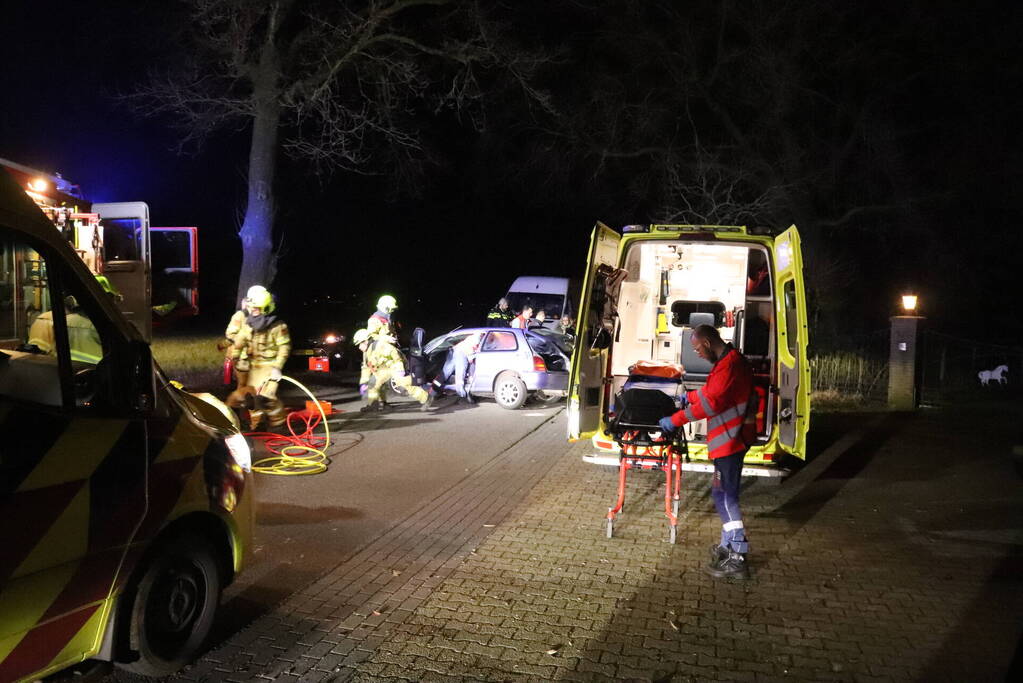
(722, 401)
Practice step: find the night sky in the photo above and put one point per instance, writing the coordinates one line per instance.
(484, 212)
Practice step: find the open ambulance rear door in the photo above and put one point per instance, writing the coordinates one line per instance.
(793, 365)
(589, 361)
(126, 259)
(175, 267)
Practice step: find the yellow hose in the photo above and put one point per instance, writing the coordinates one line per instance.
(288, 465)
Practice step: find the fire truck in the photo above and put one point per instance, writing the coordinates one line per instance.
(154, 271)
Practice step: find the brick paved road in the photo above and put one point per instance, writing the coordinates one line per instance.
(900, 559)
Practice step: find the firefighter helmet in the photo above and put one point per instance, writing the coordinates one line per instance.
(387, 303)
(360, 336)
(259, 297)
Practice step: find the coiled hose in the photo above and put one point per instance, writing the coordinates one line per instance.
(285, 460)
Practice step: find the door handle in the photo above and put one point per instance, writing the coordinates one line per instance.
(786, 414)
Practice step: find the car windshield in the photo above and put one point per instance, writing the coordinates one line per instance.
(550, 304)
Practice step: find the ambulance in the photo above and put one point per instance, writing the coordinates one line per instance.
(644, 292)
(127, 504)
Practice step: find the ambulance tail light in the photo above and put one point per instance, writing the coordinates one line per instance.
(239, 449)
(539, 365)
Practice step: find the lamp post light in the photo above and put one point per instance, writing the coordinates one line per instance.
(903, 365)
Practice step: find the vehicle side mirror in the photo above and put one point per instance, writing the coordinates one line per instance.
(124, 382)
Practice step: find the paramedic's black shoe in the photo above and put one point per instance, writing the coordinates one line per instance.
(717, 553)
(369, 408)
(732, 566)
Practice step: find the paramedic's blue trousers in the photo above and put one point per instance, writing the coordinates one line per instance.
(724, 489)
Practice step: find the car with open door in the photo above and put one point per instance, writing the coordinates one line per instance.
(512, 365)
(648, 287)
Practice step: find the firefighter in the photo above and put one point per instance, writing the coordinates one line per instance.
(259, 350)
(385, 365)
(500, 315)
(521, 321)
(83, 338)
(234, 326)
(380, 322)
(723, 401)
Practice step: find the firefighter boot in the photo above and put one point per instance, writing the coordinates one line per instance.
(426, 405)
(731, 566)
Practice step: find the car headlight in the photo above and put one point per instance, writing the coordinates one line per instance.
(239, 449)
(330, 339)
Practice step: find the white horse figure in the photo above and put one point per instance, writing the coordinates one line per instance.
(998, 375)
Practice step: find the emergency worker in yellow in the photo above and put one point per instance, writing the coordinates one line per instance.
(380, 322)
(259, 352)
(386, 364)
(234, 326)
(84, 340)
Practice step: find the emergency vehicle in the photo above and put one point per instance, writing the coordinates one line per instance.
(648, 287)
(127, 503)
(154, 270)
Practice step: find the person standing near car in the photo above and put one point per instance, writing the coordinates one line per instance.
(723, 402)
(380, 323)
(500, 315)
(259, 351)
(459, 357)
(565, 326)
(521, 321)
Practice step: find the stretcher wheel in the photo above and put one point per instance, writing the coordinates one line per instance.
(673, 533)
(610, 528)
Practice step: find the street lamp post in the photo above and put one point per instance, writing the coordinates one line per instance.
(903, 358)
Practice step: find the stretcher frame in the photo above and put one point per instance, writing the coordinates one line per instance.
(640, 450)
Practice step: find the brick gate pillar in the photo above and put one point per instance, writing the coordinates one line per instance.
(903, 358)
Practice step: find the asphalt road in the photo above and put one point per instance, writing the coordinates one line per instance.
(384, 467)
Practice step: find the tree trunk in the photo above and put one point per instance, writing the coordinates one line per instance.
(259, 262)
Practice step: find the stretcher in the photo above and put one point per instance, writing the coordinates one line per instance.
(644, 445)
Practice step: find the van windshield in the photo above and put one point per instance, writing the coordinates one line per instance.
(550, 304)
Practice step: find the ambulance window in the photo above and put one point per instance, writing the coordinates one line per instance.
(29, 370)
(791, 317)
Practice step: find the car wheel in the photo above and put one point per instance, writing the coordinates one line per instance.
(174, 604)
(510, 391)
(547, 399)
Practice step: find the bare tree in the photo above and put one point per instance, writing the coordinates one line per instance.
(342, 84)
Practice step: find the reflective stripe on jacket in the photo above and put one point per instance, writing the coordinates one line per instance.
(722, 401)
(499, 318)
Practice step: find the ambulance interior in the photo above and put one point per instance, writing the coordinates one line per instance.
(671, 288)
